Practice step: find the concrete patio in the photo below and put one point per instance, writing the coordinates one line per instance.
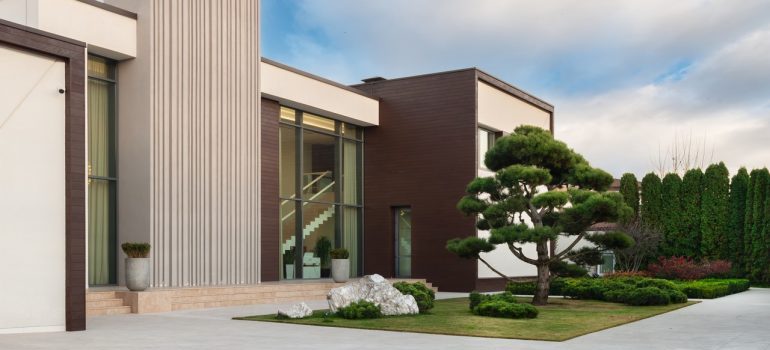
(734, 322)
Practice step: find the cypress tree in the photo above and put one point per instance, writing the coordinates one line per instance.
(759, 253)
(715, 206)
(739, 186)
(748, 223)
(692, 187)
(629, 188)
(650, 208)
(671, 210)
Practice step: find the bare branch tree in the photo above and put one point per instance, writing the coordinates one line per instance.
(646, 247)
(682, 154)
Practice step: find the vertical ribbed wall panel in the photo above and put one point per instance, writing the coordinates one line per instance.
(205, 137)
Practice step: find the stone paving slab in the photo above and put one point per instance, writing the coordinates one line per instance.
(740, 321)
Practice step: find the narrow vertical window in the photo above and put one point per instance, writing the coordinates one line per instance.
(403, 218)
(102, 177)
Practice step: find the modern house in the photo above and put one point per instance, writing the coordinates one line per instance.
(158, 121)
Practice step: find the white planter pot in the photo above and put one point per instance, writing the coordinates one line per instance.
(137, 274)
(289, 271)
(340, 270)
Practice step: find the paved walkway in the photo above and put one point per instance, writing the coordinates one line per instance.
(740, 321)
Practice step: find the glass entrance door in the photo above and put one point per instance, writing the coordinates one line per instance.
(403, 218)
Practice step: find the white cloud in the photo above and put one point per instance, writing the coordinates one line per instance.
(625, 76)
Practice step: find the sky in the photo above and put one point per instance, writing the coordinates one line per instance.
(628, 79)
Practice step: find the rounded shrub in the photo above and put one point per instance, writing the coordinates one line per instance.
(360, 310)
(648, 296)
(421, 293)
(505, 309)
(676, 296)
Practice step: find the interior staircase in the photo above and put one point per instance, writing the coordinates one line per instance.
(309, 228)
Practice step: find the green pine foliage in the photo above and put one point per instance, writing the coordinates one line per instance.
(650, 210)
(692, 188)
(735, 226)
(671, 205)
(715, 206)
(748, 223)
(758, 250)
(629, 188)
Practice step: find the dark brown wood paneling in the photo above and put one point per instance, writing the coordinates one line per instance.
(421, 155)
(270, 202)
(497, 284)
(73, 53)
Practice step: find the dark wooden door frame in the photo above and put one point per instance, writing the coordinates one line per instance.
(73, 53)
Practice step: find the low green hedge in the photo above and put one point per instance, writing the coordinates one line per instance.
(711, 288)
(500, 305)
(618, 289)
(421, 293)
(360, 310)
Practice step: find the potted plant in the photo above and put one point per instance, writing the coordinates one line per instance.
(137, 266)
(340, 265)
(322, 249)
(288, 263)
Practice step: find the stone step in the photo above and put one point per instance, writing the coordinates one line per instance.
(103, 303)
(112, 310)
(100, 295)
(226, 303)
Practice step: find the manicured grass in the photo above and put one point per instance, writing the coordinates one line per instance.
(562, 319)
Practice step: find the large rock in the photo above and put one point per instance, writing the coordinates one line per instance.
(300, 310)
(375, 289)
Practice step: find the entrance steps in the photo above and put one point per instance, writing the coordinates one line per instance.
(190, 298)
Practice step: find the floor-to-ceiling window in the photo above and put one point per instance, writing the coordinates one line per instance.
(101, 172)
(320, 188)
(403, 227)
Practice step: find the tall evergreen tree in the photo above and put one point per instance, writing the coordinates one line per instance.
(748, 223)
(715, 208)
(671, 212)
(629, 188)
(692, 187)
(735, 227)
(758, 251)
(650, 210)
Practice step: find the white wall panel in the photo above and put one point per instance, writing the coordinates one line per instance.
(32, 193)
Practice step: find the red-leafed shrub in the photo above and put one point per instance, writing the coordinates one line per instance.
(718, 268)
(683, 268)
(619, 274)
(676, 268)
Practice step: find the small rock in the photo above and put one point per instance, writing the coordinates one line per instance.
(375, 289)
(300, 310)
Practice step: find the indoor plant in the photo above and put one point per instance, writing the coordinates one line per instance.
(340, 265)
(288, 263)
(137, 265)
(322, 249)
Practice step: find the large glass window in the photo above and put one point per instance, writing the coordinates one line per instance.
(102, 175)
(320, 189)
(403, 218)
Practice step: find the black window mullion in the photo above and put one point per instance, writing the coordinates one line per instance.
(298, 239)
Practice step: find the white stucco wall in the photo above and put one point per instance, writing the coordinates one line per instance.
(300, 91)
(106, 33)
(501, 111)
(32, 194)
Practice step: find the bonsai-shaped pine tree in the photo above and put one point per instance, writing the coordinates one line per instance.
(543, 193)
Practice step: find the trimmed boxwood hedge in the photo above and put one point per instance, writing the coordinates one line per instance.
(711, 288)
(421, 293)
(618, 289)
(500, 305)
(360, 310)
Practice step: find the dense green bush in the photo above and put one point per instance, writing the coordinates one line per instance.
(500, 305)
(711, 288)
(360, 310)
(648, 296)
(421, 293)
(501, 308)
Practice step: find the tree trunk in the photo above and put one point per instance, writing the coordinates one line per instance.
(543, 285)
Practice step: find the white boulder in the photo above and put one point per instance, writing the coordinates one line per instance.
(375, 289)
(300, 310)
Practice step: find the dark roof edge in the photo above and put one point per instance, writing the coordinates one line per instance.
(110, 8)
(42, 33)
(315, 77)
(416, 76)
(506, 87)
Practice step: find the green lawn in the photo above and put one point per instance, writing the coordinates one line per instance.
(562, 319)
